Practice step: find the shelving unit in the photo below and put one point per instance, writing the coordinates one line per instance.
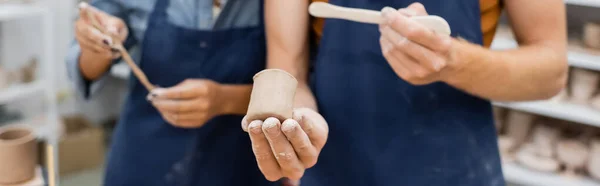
(524, 176)
(588, 3)
(583, 114)
(49, 129)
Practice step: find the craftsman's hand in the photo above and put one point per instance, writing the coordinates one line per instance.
(285, 150)
(91, 40)
(417, 55)
(189, 104)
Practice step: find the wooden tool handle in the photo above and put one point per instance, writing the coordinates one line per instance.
(326, 10)
(137, 72)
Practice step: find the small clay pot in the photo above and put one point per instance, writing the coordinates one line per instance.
(591, 35)
(499, 114)
(544, 140)
(595, 102)
(561, 96)
(526, 156)
(518, 126)
(573, 153)
(18, 154)
(5, 78)
(583, 85)
(504, 145)
(272, 95)
(594, 164)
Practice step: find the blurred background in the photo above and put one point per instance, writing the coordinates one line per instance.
(542, 143)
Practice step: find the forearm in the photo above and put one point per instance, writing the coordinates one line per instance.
(93, 66)
(235, 98)
(287, 42)
(532, 72)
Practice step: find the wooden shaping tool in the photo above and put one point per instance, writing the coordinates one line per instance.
(326, 10)
(139, 74)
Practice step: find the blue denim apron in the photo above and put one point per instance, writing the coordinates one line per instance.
(385, 131)
(146, 150)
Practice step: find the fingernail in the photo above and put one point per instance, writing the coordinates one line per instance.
(271, 127)
(288, 127)
(255, 127)
(83, 5)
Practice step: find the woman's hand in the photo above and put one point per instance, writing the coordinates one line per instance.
(189, 104)
(417, 54)
(285, 150)
(91, 40)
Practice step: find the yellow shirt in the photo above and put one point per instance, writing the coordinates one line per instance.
(490, 15)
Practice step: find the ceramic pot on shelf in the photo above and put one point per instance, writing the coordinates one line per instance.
(499, 114)
(591, 35)
(18, 154)
(543, 139)
(583, 85)
(561, 96)
(573, 154)
(594, 163)
(518, 126)
(5, 78)
(528, 158)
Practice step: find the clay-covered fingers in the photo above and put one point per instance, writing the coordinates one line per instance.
(180, 106)
(262, 151)
(423, 56)
(314, 125)
(415, 31)
(302, 145)
(284, 152)
(185, 90)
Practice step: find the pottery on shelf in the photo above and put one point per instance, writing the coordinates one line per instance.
(272, 95)
(5, 78)
(583, 85)
(28, 71)
(595, 102)
(518, 126)
(527, 157)
(573, 153)
(504, 146)
(594, 163)
(543, 139)
(591, 35)
(499, 118)
(18, 154)
(561, 96)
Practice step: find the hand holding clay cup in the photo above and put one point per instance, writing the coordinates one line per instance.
(285, 150)
(416, 54)
(282, 149)
(189, 104)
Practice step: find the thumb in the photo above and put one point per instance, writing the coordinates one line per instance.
(89, 13)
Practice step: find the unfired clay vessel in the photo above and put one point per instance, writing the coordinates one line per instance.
(544, 140)
(5, 78)
(504, 145)
(272, 95)
(573, 153)
(18, 154)
(591, 35)
(594, 164)
(526, 156)
(561, 96)
(518, 126)
(595, 102)
(499, 118)
(583, 85)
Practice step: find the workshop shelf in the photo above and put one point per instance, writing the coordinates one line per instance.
(523, 176)
(12, 11)
(17, 91)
